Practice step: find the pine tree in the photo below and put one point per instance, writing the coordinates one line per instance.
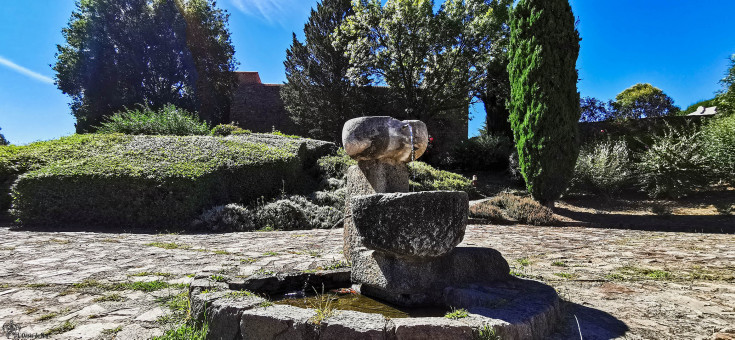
(544, 105)
(318, 94)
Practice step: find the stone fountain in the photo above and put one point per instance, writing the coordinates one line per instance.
(403, 249)
(403, 245)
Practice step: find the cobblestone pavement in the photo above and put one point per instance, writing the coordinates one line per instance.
(618, 283)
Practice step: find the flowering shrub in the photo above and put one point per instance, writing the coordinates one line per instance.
(674, 165)
(602, 167)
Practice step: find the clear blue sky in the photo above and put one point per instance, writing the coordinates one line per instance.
(679, 46)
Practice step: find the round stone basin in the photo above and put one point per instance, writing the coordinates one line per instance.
(416, 224)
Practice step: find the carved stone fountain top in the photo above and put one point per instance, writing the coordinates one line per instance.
(384, 138)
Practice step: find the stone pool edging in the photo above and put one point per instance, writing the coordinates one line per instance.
(521, 309)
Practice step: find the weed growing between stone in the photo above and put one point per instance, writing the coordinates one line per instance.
(62, 328)
(171, 245)
(487, 332)
(456, 314)
(218, 278)
(322, 305)
(112, 331)
(562, 275)
(114, 297)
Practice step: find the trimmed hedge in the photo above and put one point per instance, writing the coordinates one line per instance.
(150, 181)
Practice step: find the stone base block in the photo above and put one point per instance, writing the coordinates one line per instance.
(422, 283)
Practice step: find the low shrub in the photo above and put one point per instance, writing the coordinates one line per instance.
(144, 181)
(228, 129)
(487, 212)
(285, 213)
(227, 217)
(297, 212)
(335, 199)
(508, 207)
(484, 152)
(602, 167)
(169, 120)
(674, 165)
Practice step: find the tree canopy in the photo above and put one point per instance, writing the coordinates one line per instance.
(726, 97)
(595, 110)
(544, 105)
(318, 94)
(123, 53)
(642, 101)
(3, 141)
(433, 63)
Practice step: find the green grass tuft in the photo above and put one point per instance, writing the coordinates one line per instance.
(456, 314)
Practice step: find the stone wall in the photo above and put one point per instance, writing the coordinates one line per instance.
(259, 108)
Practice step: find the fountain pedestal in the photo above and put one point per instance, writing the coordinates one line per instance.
(403, 249)
(402, 245)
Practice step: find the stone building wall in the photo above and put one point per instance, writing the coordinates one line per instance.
(259, 108)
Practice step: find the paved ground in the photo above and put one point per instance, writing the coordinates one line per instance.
(618, 283)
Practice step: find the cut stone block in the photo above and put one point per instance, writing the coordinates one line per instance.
(278, 322)
(353, 325)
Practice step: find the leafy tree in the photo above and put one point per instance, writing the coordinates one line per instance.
(318, 93)
(402, 44)
(208, 40)
(726, 97)
(490, 33)
(3, 141)
(595, 110)
(544, 105)
(642, 101)
(120, 53)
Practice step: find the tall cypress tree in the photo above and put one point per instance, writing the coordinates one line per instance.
(544, 105)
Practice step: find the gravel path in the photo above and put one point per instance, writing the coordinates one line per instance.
(618, 283)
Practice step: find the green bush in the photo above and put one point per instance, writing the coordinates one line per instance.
(506, 206)
(169, 120)
(718, 139)
(335, 166)
(484, 152)
(602, 167)
(674, 165)
(144, 181)
(228, 129)
(424, 177)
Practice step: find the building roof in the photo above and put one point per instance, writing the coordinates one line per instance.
(704, 111)
(248, 77)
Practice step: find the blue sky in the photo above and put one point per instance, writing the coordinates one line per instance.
(679, 46)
